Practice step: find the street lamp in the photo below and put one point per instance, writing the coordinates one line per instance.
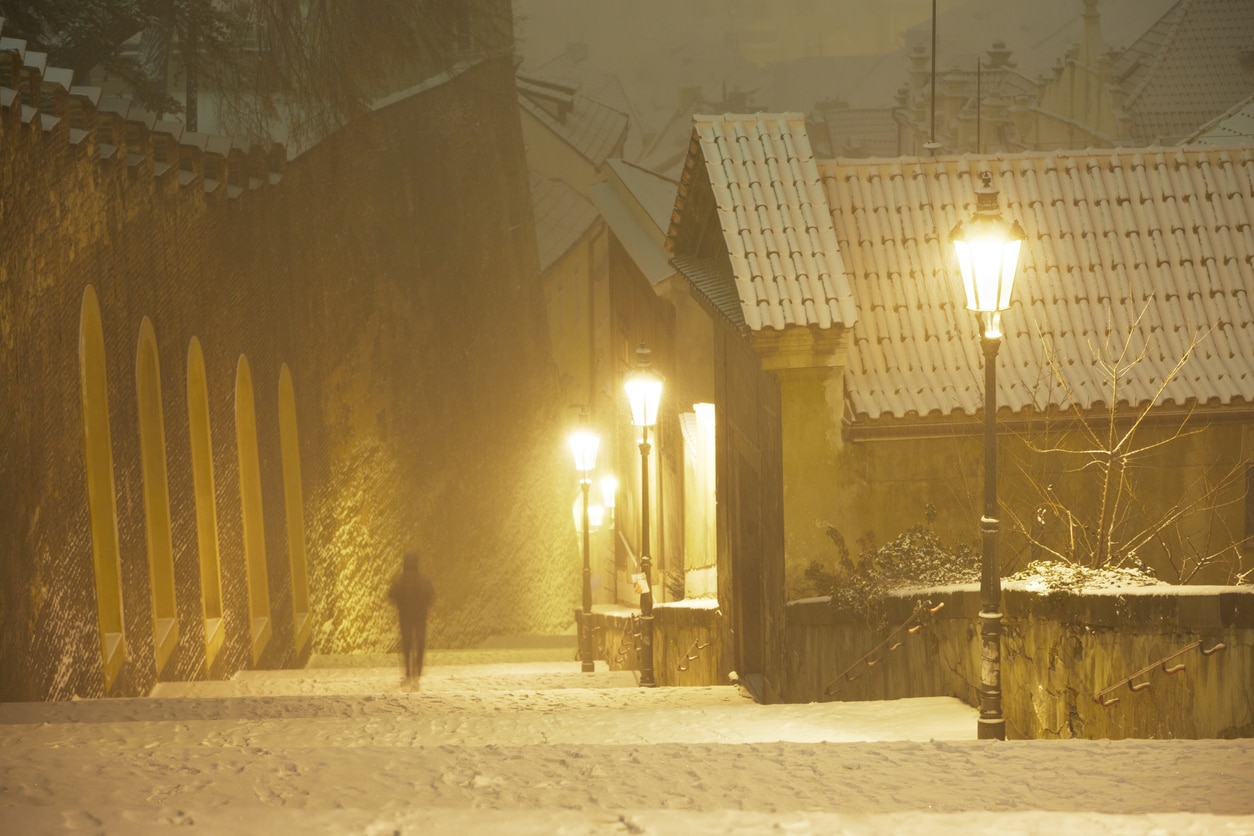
(644, 390)
(584, 443)
(988, 253)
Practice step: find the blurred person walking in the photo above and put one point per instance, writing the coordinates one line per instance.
(412, 594)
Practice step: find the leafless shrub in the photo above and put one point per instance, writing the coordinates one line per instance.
(1094, 475)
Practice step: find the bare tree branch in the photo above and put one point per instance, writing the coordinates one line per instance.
(1115, 526)
(296, 68)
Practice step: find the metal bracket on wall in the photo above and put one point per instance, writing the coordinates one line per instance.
(631, 630)
(911, 626)
(1134, 686)
(692, 655)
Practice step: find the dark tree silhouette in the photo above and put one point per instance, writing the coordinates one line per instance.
(294, 67)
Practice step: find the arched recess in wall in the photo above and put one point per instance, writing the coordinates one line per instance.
(293, 502)
(206, 506)
(250, 501)
(165, 624)
(101, 500)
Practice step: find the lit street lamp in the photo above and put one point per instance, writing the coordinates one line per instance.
(988, 253)
(584, 443)
(644, 391)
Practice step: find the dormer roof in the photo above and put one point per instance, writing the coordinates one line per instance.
(775, 220)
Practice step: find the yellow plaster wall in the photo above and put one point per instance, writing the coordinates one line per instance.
(882, 487)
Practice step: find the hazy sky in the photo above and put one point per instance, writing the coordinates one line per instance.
(656, 47)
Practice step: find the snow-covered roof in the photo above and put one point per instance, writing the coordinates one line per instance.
(858, 132)
(1162, 233)
(1190, 66)
(1236, 127)
(594, 130)
(1110, 235)
(654, 192)
(599, 86)
(562, 217)
(775, 219)
(637, 204)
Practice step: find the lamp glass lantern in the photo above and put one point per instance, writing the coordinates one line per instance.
(644, 390)
(987, 248)
(583, 444)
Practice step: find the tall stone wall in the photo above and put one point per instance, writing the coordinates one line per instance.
(391, 268)
(1060, 652)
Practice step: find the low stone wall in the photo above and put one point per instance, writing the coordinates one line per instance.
(687, 650)
(1059, 651)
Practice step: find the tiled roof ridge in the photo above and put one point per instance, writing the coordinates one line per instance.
(35, 96)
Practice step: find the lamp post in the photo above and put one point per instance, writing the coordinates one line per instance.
(644, 391)
(988, 254)
(584, 443)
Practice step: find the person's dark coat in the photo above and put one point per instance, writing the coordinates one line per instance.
(412, 594)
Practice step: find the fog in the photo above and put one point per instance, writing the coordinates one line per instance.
(790, 54)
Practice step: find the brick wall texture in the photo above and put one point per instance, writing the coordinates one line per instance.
(392, 268)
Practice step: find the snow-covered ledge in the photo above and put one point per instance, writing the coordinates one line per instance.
(1061, 651)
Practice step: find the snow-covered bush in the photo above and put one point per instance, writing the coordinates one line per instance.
(915, 558)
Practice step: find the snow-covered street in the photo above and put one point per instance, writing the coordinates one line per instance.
(520, 741)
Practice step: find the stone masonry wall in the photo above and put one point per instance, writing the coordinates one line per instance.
(392, 268)
(1059, 652)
